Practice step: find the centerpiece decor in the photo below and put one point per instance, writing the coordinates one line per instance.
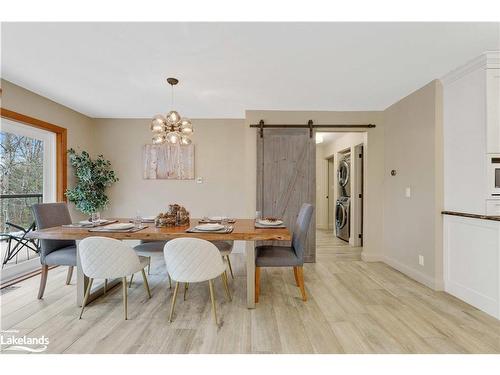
(93, 177)
(176, 215)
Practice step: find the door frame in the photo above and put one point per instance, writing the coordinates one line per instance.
(61, 146)
(330, 191)
(310, 149)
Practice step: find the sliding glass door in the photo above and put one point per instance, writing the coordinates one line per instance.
(27, 176)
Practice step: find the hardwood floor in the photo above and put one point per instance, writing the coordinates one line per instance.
(352, 307)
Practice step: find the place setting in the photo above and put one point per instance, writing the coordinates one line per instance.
(90, 223)
(216, 219)
(268, 222)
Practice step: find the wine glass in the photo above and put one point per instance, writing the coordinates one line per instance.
(95, 218)
(258, 215)
(137, 221)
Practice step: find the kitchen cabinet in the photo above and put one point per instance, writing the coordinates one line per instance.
(493, 110)
(471, 133)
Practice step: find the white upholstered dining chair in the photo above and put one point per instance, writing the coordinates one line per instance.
(107, 258)
(193, 260)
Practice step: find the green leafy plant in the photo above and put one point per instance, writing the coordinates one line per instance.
(93, 177)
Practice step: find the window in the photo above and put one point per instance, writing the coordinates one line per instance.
(28, 175)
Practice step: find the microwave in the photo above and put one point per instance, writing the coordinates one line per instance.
(494, 175)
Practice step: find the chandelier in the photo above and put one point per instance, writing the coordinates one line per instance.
(171, 128)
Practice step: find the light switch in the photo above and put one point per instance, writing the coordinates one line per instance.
(408, 192)
(421, 260)
(199, 180)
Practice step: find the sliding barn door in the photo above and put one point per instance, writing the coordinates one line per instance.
(286, 178)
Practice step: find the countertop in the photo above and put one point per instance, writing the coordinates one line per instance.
(472, 216)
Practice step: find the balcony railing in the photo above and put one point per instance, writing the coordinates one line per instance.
(16, 208)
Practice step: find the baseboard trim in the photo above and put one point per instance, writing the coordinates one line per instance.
(439, 285)
(411, 272)
(408, 271)
(474, 298)
(367, 257)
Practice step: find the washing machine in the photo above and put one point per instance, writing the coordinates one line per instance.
(342, 218)
(344, 176)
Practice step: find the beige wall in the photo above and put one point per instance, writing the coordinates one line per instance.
(373, 231)
(80, 127)
(408, 138)
(413, 147)
(218, 161)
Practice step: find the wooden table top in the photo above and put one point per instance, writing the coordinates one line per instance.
(244, 230)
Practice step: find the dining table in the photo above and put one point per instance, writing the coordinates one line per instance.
(243, 230)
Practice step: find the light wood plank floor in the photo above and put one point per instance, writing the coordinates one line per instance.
(353, 307)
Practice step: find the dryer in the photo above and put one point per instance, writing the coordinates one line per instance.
(344, 176)
(343, 218)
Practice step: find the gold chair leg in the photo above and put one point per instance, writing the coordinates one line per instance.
(86, 297)
(226, 287)
(173, 302)
(146, 285)
(186, 286)
(105, 286)
(124, 286)
(149, 265)
(169, 282)
(130, 283)
(212, 298)
(70, 275)
(230, 267)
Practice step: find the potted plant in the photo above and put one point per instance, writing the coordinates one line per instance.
(93, 177)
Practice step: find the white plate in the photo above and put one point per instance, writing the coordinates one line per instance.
(217, 218)
(88, 222)
(270, 223)
(209, 227)
(120, 226)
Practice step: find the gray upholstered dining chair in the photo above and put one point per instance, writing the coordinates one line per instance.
(145, 248)
(54, 252)
(287, 256)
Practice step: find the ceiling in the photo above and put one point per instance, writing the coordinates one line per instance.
(119, 69)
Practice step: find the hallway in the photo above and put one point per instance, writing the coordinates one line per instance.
(332, 248)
